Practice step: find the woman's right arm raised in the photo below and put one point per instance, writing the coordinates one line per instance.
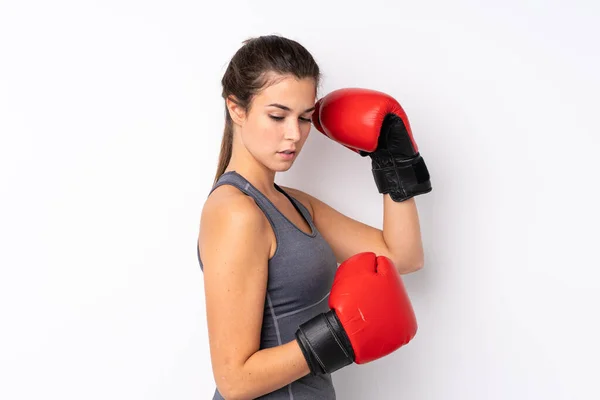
(235, 252)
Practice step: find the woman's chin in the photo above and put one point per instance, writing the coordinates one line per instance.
(282, 165)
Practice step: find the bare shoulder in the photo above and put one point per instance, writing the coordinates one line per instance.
(232, 228)
(230, 217)
(228, 208)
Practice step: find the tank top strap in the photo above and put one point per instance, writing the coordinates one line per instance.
(299, 206)
(235, 179)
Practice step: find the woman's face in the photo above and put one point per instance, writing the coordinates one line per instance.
(278, 123)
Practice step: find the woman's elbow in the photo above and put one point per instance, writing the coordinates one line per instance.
(408, 267)
(232, 392)
(231, 387)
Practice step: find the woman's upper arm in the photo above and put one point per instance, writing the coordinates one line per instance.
(234, 255)
(346, 236)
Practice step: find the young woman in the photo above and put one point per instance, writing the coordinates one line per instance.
(270, 254)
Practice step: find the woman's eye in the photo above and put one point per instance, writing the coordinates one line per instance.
(276, 118)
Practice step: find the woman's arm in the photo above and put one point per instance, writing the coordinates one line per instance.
(234, 252)
(268, 370)
(400, 239)
(402, 233)
(374, 124)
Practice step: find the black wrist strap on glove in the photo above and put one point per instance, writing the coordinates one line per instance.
(397, 166)
(402, 178)
(324, 344)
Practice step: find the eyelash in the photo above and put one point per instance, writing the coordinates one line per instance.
(281, 118)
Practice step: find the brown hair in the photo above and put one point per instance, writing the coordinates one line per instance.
(247, 72)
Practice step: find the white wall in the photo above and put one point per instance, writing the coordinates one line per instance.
(111, 119)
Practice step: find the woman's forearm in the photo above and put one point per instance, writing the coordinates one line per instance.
(266, 371)
(402, 234)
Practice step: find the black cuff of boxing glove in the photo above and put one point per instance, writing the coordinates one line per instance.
(401, 178)
(313, 364)
(325, 344)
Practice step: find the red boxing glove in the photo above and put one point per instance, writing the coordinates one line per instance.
(374, 124)
(377, 324)
(371, 316)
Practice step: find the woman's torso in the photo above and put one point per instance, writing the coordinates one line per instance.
(300, 275)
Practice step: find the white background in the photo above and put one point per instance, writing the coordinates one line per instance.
(111, 121)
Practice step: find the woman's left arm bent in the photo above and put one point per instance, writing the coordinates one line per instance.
(400, 239)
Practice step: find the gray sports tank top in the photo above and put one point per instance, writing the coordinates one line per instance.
(300, 277)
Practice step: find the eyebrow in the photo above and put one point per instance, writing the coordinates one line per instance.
(287, 108)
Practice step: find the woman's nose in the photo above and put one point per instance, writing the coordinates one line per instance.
(292, 132)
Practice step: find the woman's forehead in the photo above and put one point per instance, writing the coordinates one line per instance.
(289, 91)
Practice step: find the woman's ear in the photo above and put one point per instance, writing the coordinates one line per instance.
(236, 112)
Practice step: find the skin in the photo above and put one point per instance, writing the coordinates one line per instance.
(236, 240)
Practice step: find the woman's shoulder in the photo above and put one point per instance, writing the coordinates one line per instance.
(227, 204)
(231, 223)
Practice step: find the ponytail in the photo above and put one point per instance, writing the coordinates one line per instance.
(226, 147)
